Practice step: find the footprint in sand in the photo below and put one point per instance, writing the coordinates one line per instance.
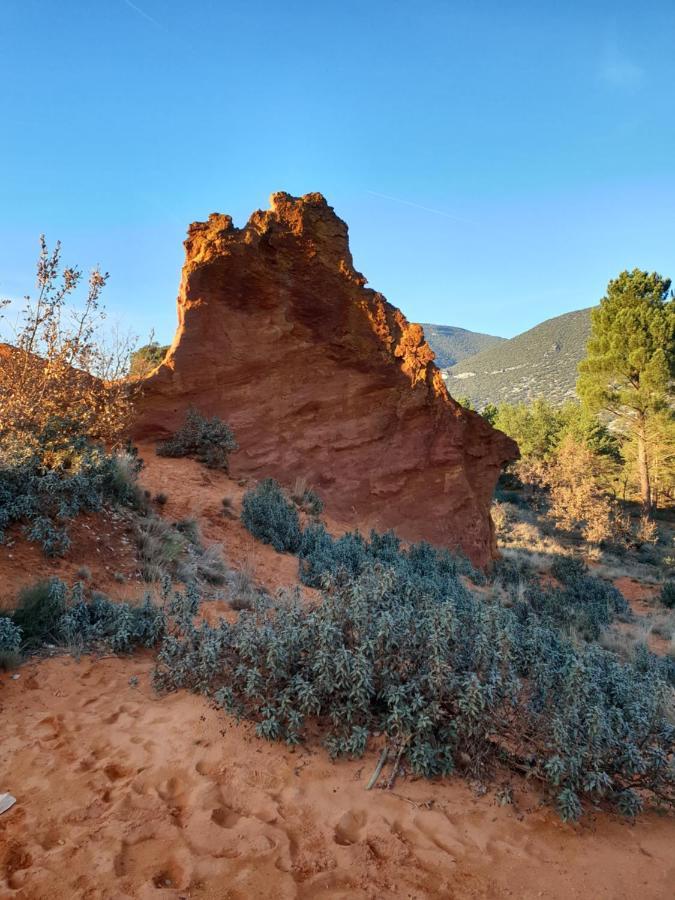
(114, 772)
(17, 860)
(348, 829)
(225, 817)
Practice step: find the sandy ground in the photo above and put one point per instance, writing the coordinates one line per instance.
(124, 794)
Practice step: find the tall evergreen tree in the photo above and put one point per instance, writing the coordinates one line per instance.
(630, 363)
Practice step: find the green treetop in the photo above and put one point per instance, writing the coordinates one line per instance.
(630, 362)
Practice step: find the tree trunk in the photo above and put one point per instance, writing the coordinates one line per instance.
(643, 469)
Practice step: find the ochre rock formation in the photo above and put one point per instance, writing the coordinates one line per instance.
(321, 377)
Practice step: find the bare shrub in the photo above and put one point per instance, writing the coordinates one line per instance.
(59, 363)
(577, 500)
(500, 518)
(647, 531)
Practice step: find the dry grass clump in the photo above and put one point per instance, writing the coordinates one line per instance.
(242, 590)
(628, 642)
(228, 508)
(305, 498)
(176, 552)
(662, 624)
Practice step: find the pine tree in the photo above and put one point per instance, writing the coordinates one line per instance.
(630, 363)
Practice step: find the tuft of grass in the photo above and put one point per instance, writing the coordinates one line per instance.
(177, 552)
(160, 548)
(161, 498)
(210, 565)
(38, 612)
(228, 509)
(305, 498)
(190, 528)
(84, 573)
(241, 588)
(663, 625)
(9, 659)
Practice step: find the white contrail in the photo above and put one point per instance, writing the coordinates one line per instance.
(142, 12)
(438, 212)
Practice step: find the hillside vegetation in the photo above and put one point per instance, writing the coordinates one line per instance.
(539, 364)
(451, 344)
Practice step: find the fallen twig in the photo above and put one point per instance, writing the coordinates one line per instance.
(378, 769)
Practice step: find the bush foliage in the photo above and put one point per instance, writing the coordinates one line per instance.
(271, 517)
(210, 441)
(10, 636)
(51, 613)
(401, 646)
(667, 595)
(47, 482)
(452, 680)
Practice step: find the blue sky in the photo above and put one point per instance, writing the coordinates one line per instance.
(496, 162)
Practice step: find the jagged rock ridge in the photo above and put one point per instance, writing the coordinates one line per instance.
(321, 377)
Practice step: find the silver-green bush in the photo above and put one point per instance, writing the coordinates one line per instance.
(210, 441)
(454, 681)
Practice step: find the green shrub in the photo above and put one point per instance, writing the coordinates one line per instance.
(323, 556)
(47, 482)
(568, 569)
(452, 680)
(10, 635)
(38, 612)
(146, 358)
(667, 595)
(97, 621)
(51, 613)
(270, 517)
(208, 440)
(585, 605)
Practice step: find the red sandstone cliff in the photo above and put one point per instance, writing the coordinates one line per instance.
(320, 376)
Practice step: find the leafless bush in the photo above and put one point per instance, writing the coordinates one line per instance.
(58, 364)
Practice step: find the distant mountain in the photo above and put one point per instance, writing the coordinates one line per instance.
(539, 363)
(451, 345)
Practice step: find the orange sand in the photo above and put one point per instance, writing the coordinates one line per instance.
(122, 794)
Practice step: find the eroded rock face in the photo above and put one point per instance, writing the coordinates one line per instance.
(321, 377)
